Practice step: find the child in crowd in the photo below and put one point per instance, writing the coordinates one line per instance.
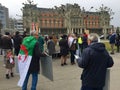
(9, 64)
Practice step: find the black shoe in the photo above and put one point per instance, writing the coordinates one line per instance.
(112, 53)
(7, 76)
(72, 63)
(65, 63)
(62, 64)
(12, 75)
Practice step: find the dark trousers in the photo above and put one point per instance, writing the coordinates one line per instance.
(81, 47)
(72, 57)
(90, 88)
(118, 48)
(17, 51)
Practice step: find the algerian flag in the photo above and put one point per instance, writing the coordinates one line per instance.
(25, 56)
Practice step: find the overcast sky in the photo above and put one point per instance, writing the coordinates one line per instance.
(14, 6)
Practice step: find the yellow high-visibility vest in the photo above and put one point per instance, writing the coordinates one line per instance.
(79, 40)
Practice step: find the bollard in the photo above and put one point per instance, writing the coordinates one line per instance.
(16, 65)
(107, 80)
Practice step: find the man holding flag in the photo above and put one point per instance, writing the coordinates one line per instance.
(28, 61)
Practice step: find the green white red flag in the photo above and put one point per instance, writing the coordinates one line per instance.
(25, 57)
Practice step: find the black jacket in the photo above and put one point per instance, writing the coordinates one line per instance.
(64, 48)
(35, 62)
(6, 42)
(95, 60)
(17, 41)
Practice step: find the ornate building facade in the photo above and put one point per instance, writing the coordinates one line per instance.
(65, 19)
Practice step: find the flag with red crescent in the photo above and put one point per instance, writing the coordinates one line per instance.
(25, 57)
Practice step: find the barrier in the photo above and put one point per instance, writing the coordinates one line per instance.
(46, 67)
(107, 81)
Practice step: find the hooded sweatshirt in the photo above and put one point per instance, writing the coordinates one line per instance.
(95, 60)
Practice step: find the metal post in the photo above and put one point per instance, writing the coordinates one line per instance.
(16, 65)
(107, 81)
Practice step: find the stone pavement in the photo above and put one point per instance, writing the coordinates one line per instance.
(65, 78)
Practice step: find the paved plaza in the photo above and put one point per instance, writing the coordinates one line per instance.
(65, 78)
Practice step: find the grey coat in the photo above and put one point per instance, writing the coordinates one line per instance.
(51, 47)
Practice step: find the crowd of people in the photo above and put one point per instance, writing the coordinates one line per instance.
(87, 47)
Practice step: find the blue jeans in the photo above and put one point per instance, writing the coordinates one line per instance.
(34, 81)
(90, 88)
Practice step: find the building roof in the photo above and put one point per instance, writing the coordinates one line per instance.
(45, 9)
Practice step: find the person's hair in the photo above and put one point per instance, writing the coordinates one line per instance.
(17, 33)
(9, 50)
(64, 36)
(50, 37)
(93, 37)
(7, 33)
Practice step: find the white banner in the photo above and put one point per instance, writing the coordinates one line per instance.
(23, 65)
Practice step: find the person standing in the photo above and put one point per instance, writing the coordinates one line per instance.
(84, 40)
(6, 43)
(94, 60)
(51, 46)
(24, 34)
(41, 42)
(80, 43)
(29, 53)
(112, 41)
(9, 64)
(64, 49)
(72, 42)
(17, 42)
(117, 41)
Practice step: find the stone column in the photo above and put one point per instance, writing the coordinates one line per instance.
(81, 31)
